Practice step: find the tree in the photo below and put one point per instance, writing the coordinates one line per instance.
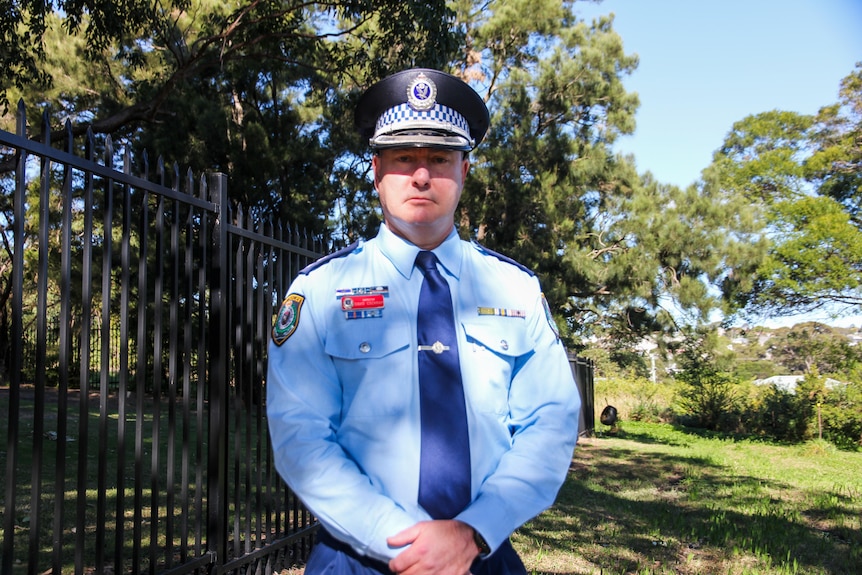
(812, 346)
(254, 89)
(264, 90)
(803, 176)
(619, 253)
(710, 397)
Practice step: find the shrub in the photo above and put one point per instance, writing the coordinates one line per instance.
(841, 416)
(780, 415)
(711, 400)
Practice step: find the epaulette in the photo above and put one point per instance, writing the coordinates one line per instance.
(328, 258)
(503, 258)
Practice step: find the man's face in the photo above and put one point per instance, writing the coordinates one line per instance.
(419, 190)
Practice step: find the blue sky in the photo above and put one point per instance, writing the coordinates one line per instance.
(705, 64)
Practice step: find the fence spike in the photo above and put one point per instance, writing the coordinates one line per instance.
(127, 161)
(190, 182)
(70, 137)
(145, 160)
(46, 127)
(109, 152)
(176, 170)
(160, 170)
(90, 145)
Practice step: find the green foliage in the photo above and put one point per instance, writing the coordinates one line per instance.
(813, 346)
(256, 90)
(840, 414)
(710, 396)
(710, 399)
(802, 176)
(757, 369)
(558, 102)
(779, 414)
(264, 92)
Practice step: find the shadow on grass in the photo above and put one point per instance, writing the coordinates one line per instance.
(624, 511)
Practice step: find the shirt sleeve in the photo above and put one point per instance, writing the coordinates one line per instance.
(303, 408)
(544, 408)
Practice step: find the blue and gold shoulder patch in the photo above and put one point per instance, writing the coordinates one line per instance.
(287, 319)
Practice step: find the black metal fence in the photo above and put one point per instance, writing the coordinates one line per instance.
(132, 347)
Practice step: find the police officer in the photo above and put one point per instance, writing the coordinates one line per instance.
(420, 402)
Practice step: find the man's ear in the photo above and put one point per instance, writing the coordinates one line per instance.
(375, 164)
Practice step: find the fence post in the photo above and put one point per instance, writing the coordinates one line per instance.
(582, 370)
(218, 373)
(15, 357)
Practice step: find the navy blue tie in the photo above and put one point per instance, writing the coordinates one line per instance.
(444, 469)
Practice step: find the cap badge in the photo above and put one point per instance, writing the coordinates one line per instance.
(422, 93)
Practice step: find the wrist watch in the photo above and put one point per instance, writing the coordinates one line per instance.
(484, 549)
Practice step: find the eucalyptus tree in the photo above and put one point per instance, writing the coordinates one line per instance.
(620, 254)
(803, 175)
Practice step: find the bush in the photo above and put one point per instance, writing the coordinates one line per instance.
(778, 414)
(710, 398)
(841, 416)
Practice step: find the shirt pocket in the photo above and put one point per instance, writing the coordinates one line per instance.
(373, 364)
(490, 360)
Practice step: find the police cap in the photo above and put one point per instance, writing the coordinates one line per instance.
(422, 108)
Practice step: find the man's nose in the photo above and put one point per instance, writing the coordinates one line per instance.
(421, 175)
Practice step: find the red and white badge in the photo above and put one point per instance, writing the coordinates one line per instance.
(359, 302)
(362, 302)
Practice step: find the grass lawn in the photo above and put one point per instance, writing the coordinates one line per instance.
(653, 499)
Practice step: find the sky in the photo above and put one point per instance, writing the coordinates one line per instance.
(706, 64)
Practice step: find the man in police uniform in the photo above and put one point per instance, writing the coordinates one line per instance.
(344, 396)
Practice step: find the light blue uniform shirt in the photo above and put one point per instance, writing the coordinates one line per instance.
(343, 397)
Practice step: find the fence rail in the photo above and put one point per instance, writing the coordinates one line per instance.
(132, 364)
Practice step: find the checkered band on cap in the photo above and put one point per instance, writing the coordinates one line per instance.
(404, 117)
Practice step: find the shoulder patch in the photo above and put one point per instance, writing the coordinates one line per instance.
(328, 258)
(288, 318)
(503, 258)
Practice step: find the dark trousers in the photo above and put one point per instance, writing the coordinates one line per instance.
(332, 557)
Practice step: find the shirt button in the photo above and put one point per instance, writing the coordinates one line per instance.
(504, 344)
(364, 347)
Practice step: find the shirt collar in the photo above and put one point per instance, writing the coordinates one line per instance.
(402, 253)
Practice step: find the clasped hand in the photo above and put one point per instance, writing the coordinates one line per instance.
(440, 547)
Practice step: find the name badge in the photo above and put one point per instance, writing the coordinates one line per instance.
(362, 302)
(358, 302)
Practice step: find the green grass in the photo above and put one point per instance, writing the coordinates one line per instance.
(648, 499)
(654, 499)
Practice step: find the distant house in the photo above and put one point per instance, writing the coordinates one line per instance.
(788, 382)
